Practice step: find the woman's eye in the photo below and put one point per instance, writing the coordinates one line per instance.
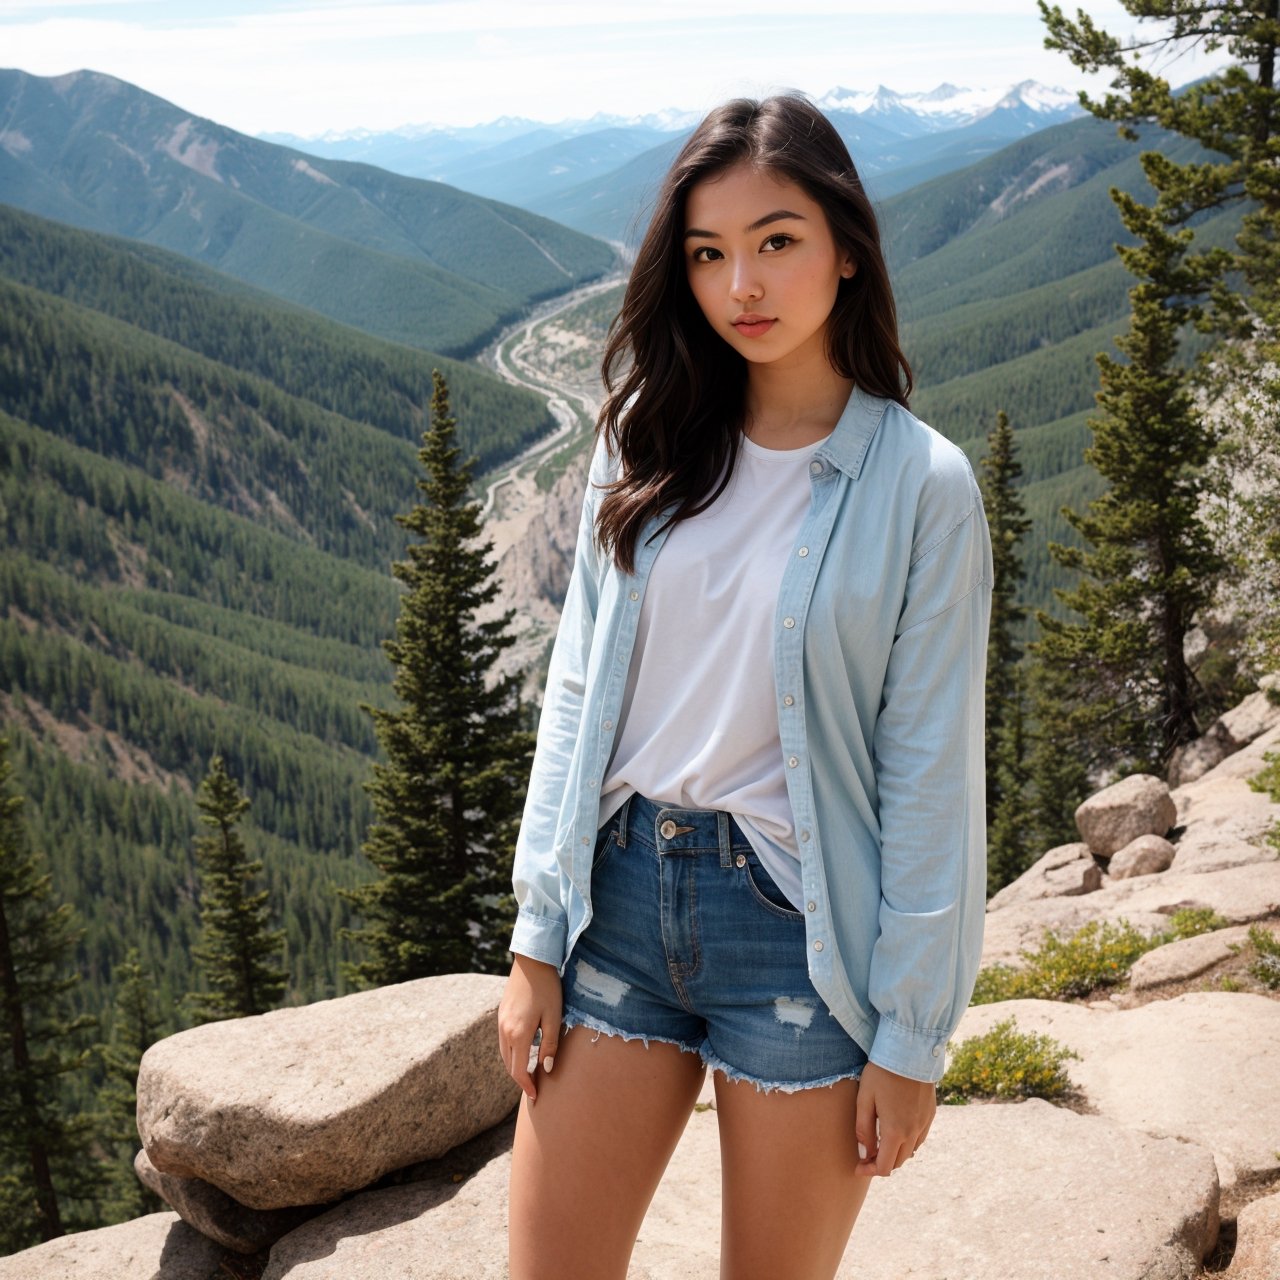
(700, 250)
(780, 241)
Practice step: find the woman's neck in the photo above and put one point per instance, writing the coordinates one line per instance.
(789, 408)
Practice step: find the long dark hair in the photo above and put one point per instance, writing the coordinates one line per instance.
(688, 384)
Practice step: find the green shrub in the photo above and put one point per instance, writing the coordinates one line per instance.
(1006, 1063)
(1188, 922)
(1098, 954)
(1266, 968)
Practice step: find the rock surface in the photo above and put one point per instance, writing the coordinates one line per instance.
(1062, 872)
(1141, 857)
(1139, 805)
(1223, 861)
(1178, 961)
(1257, 1255)
(215, 1214)
(158, 1247)
(1115, 1203)
(301, 1105)
(1200, 1067)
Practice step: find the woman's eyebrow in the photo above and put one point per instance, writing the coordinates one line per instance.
(776, 216)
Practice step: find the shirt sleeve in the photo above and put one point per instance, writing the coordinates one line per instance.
(540, 929)
(929, 750)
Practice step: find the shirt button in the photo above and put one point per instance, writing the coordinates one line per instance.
(815, 468)
(788, 701)
(817, 946)
(793, 761)
(608, 724)
(788, 622)
(804, 835)
(635, 595)
(937, 1049)
(586, 839)
(804, 551)
(591, 784)
(813, 906)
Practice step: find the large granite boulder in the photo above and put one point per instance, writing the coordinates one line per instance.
(1200, 1067)
(302, 1105)
(1139, 805)
(1141, 857)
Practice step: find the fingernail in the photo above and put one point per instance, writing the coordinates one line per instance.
(547, 1064)
(862, 1152)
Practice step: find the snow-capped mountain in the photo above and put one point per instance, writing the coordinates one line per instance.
(950, 107)
(908, 114)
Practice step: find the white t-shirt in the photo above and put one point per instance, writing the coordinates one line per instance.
(699, 723)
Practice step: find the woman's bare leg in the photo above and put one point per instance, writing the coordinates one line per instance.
(790, 1196)
(590, 1152)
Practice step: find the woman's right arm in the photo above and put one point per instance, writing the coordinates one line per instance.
(532, 997)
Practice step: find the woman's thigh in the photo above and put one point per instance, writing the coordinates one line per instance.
(589, 1154)
(790, 1194)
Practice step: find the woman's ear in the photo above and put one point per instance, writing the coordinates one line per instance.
(848, 267)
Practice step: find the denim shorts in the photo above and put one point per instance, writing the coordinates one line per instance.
(691, 942)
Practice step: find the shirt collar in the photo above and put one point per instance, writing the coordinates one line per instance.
(847, 444)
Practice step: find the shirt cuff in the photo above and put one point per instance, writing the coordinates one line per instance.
(539, 937)
(919, 1055)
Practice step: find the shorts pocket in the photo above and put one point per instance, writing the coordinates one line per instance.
(765, 889)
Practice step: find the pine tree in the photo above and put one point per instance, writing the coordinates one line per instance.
(1235, 113)
(450, 794)
(43, 1152)
(1148, 566)
(1006, 774)
(1055, 762)
(135, 1028)
(236, 948)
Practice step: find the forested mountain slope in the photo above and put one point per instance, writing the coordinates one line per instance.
(1008, 286)
(415, 261)
(198, 486)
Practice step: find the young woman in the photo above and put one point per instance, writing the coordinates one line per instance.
(754, 837)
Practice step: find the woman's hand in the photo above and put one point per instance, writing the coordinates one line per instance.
(532, 998)
(905, 1109)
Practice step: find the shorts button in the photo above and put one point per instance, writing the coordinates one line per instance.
(668, 829)
(741, 859)
(817, 946)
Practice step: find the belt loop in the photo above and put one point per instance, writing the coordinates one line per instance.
(722, 826)
(620, 835)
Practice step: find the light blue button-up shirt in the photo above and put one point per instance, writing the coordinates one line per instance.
(880, 669)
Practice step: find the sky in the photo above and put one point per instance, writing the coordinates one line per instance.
(310, 66)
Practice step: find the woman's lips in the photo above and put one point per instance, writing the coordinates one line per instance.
(753, 327)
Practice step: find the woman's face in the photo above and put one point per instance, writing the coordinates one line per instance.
(763, 264)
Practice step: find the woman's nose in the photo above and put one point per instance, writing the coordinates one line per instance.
(745, 283)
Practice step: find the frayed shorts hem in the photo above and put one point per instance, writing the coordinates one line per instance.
(572, 1018)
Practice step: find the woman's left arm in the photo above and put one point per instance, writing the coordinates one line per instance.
(929, 747)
